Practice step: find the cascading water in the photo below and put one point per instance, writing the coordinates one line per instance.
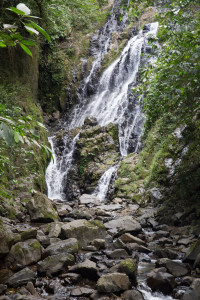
(113, 102)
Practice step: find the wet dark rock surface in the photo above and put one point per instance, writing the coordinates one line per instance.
(116, 250)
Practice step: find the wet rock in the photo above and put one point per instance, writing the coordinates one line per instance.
(84, 231)
(192, 253)
(113, 282)
(8, 238)
(81, 292)
(41, 209)
(55, 263)
(162, 233)
(22, 277)
(165, 252)
(87, 269)
(136, 247)
(55, 230)
(118, 244)
(67, 246)
(90, 121)
(123, 225)
(175, 268)
(63, 210)
(129, 267)
(129, 238)
(110, 207)
(88, 199)
(3, 288)
(194, 292)
(161, 281)
(99, 244)
(118, 253)
(29, 234)
(25, 253)
(73, 277)
(133, 295)
(30, 287)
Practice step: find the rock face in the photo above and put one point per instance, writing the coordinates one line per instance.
(21, 277)
(96, 150)
(113, 282)
(55, 263)
(41, 209)
(84, 231)
(123, 225)
(25, 253)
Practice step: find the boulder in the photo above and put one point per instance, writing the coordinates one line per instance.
(175, 268)
(55, 263)
(87, 269)
(113, 282)
(81, 292)
(133, 295)
(41, 209)
(55, 229)
(88, 199)
(3, 288)
(161, 281)
(116, 254)
(128, 267)
(25, 253)
(90, 121)
(62, 247)
(129, 238)
(192, 253)
(30, 233)
(194, 292)
(22, 277)
(123, 225)
(8, 238)
(99, 244)
(84, 231)
(136, 247)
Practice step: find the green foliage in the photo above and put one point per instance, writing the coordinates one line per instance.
(11, 34)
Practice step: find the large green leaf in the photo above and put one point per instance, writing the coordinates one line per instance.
(7, 134)
(41, 30)
(17, 11)
(28, 43)
(16, 137)
(2, 45)
(26, 49)
(31, 30)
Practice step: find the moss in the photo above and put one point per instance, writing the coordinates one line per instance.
(36, 245)
(128, 264)
(97, 223)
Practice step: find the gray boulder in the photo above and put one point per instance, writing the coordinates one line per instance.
(161, 281)
(88, 199)
(123, 225)
(62, 247)
(194, 292)
(129, 267)
(133, 295)
(192, 253)
(87, 269)
(41, 209)
(175, 268)
(25, 253)
(55, 263)
(22, 277)
(129, 238)
(113, 282)
(84, 231)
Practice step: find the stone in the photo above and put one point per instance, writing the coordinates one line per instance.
(63, 210)
(25, 253)
(194, 292)
(7, 238)
(197, 261)
(90, 121)
(73, 277)
(192, 253)
(133, 295)
(29, 234)
(84, 231)
(88, 199)
(62, 247)
(175, 268)
(161, 281)
(128, 267)
(81, 292)
(22, 277)
(118, 253)
(43, 239)
(55, 230)
(56, 263)
(110, 207)
(99, 244)
(123, 225)
(136, 247)
(30, 287)
(87, 269)
(113, 282)
(41, 209)
(3, 288)
(129, 238)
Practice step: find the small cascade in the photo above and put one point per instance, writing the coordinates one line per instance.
(103, 184)
(113, 101)
(57, 170)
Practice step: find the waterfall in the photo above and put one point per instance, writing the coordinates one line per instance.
(113, 101)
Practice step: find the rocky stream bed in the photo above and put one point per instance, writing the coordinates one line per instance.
(89, 249)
